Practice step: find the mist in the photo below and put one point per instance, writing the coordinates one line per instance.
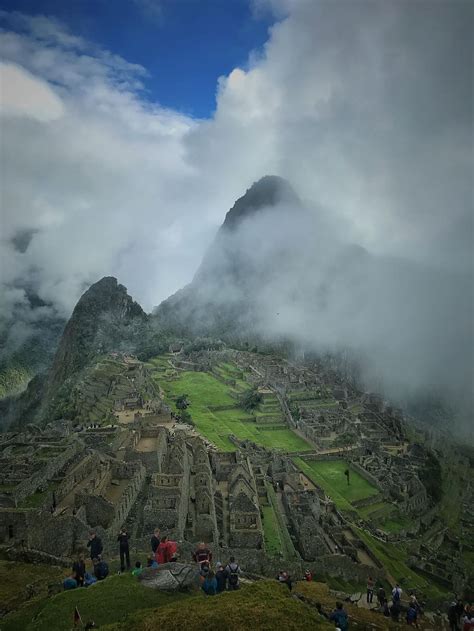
(365, 107)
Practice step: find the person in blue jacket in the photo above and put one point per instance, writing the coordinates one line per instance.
(209, 584)
(339, 616)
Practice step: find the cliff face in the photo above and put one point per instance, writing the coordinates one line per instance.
(104, 313)
(221, 298)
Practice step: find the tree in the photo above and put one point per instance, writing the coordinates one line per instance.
(250, 399)
(182, 402)
(185, 417)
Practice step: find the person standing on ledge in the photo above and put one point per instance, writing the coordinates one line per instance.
(95, 544)
(123, 539)
(155, 540)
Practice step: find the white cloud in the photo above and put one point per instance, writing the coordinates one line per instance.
(22, 94)
(365, 107)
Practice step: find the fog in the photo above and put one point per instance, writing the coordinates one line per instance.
(366, 108)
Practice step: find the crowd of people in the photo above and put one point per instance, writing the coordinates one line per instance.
(223, 577)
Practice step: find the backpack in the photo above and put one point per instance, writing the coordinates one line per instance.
(233, 573)
(396, 596)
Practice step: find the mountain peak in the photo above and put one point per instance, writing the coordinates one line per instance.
(102, 310)
(270, 190)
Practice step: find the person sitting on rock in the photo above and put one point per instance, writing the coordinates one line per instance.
(151, 562)
(79, 570)
(202, 556)
(101, 569)
(70, 582)
(339, 617)
(284, 577)
(221, 577)
(308, 576)
(137, 569)
(209, 585)
(89, 579)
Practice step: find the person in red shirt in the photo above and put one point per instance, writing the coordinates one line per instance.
(161, 554)
(308, 576)
(172, 551)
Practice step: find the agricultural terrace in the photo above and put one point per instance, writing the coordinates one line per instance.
(329, 475)
(215, 410)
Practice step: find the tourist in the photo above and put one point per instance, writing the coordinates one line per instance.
(308, 576)
(396, 593)
(172, 551)
(70, 582)
(459, 610)
(370, 589)
(123, 539)
(137, 569)
(95, 544)
(453, 616)
(89, 579)
(233, 570)
(339, 616)
(155, 540)
(209, 585)
(79, 570)
(412, 615)
(161, 554)
(284, 577)
(202, 556)
(395, 610)
(221, 577)
(468, 620)
(381, 596)
(101, 569)
(151, 562)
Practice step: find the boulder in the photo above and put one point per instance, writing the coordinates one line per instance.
(169, 577)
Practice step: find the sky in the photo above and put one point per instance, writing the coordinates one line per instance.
(130, 128)
(185, 45)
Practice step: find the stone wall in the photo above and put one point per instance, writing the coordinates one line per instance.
(76, 475)
(135, 472)
(49, 471)
(366, 475)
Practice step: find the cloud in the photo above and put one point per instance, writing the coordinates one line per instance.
(21, 94)
(365, 107)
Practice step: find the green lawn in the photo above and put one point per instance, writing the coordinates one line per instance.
(205, 392)
(287, 548)
(329, 475)
(271, 531)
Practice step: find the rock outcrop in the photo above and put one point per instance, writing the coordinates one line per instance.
(169, 577)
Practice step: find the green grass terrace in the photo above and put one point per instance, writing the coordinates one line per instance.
(329, 475)
(216, 413)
